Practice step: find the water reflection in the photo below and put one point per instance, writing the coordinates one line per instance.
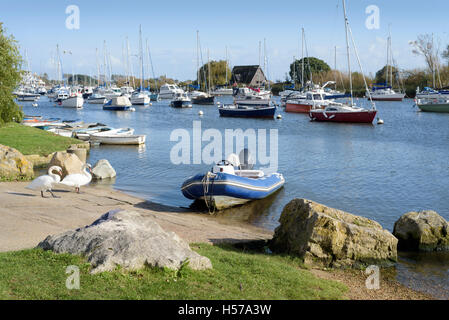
(425, 271)
(252, 212)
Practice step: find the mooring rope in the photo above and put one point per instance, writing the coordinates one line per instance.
(209, 202)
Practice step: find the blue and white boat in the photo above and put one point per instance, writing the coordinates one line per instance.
(226, 186)
(244, 111)
(430, 93)
(121, 103)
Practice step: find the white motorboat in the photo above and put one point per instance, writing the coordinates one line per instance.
(113, 132)
(168, 91)
(97, 98)
(222, 92)
(386, 93)
(27, 96)
(84, 133)
(429, 93)
(250, 96)
(110, 93)
(140, 98)
(309, 101)
(75, 101)
(126, 90)
(199, 97)
(181, 100)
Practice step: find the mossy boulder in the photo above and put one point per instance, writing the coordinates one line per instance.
(13, 165)
(422, 231)
(328, 237)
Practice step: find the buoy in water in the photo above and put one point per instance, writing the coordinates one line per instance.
(34, 104)
(279, 116)
(200, 113)
(380, 121)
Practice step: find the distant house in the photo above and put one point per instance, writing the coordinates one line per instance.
(252, 76)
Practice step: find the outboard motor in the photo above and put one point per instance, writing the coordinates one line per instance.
(223, 166)
(246, 160)
(234, 160)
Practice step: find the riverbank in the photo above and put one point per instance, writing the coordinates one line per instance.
(32, 141)
(26, 219)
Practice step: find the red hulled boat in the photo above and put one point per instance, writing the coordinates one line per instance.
(337, 112)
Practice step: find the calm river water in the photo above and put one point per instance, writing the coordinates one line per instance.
(376, 171)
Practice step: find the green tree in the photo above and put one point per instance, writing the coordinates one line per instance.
(10, 77)
(217, 74)
(312, 66)
(381, 75)
(445, 54)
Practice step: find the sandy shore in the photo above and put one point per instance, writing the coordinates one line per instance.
(26, 218)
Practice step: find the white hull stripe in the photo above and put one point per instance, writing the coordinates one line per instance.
(236, 184)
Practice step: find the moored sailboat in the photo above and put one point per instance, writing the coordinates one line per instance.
(341, 112)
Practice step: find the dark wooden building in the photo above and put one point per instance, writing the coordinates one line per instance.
(252, 76)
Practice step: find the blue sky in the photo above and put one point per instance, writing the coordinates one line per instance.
(170, 27)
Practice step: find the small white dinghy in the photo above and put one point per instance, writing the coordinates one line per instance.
(120, 137)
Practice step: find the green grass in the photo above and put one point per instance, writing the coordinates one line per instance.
(38, 274)
(30, 140)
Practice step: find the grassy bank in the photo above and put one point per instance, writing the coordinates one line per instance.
(30, 140)
(37, 274)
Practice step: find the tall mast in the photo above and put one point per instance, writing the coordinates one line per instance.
(391, 63)
(141, 58)
(433, 64)
(151, 64)
(226, 66)
(302, 59)
(347, 51)
(198, 59)
(59, 64)
(386, 66)
(125, 58)
(335, 67)
(294, 71)
(208, 70)
(264, 58)
(98, 67)
(104, 63)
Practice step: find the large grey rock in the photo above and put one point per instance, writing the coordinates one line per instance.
(328, 237)
(13, 164)
(103, 170)
(129, 239)
(422, 231)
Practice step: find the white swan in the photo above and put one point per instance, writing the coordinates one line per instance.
(45, 182)
(78, 179)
